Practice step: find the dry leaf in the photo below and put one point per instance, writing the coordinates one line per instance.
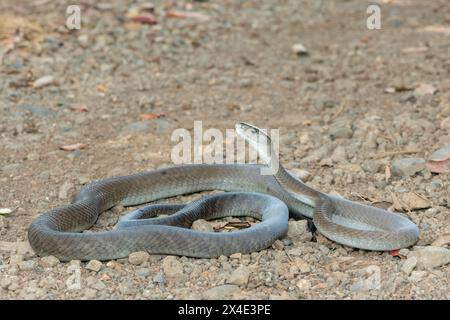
(394, 253)
(73, 147)
(438, 166)
(442, 241)
(387, 173)
(411, 201)
(186, 14)
(395, 89)
(150, 116)
(102, 88)
(414, 49)
(439, 161)
(237, 225)
(436, 29)
(143, 19)
(43, 81)
(79, 108)
(425, 89)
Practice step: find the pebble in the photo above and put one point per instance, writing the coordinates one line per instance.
(49, 261)
(138, 258)
(299, 49)
(409, 265)
(65, 189)
(16, 259)
(339, 155)
(278, 245)
(90, 293)
(340, 130)
(445, 124)
(240, 276)
(202, 225)
(303, 284)
(159, 278)
(236, 256)
(143, 272)
(43, 81)
(299, 230)
(94, 265)
(173, 269)
(431, 257)
(317, 154)
(5, 211)
(417, 276)
(27, 265)
(407, 166)
(138, 127)
(3, 223)
(302, 266)
(221, 292)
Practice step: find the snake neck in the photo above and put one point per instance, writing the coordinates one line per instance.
(296, 188)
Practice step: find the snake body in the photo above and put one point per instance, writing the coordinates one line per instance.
(269, 198)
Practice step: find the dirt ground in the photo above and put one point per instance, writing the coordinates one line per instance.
(350, 110)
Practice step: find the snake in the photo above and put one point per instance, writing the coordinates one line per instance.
(249, 192)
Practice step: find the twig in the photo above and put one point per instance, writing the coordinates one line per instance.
(393, 153)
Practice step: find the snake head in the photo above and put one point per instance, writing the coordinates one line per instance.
(257, 139)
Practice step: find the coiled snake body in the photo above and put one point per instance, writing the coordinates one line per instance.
(269, 198)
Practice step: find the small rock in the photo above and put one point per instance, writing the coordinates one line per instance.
(5, 211)
(49, 261)
(202, 225)
(236, 256)
(304, 284)
(94, 265)
(90, 293)
(339, 155)
(299, 49)
(408, 166)
(302, 266)
(408, 97)
(317, 154)
(417, 276)
(95, 283)
(127, 288)
(3, 223)
(403, 252)
(300, 173)
(138, 258)
(139, 126)
(445, 124)
(340, 130)
(159, 278)
(278, 245)
(431, 257)
(240, 276)
(409, 265)
(27, 265)
(221, 292)
(64, 190)
(173, 269)
(43, 81)
(143, 272)
(16, 259)
(299, 230)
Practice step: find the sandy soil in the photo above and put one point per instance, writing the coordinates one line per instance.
(349, 112)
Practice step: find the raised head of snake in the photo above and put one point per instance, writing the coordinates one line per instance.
(340, 220)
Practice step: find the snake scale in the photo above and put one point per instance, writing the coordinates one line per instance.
(269, 198)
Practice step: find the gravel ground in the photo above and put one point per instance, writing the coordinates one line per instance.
(362, 111)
